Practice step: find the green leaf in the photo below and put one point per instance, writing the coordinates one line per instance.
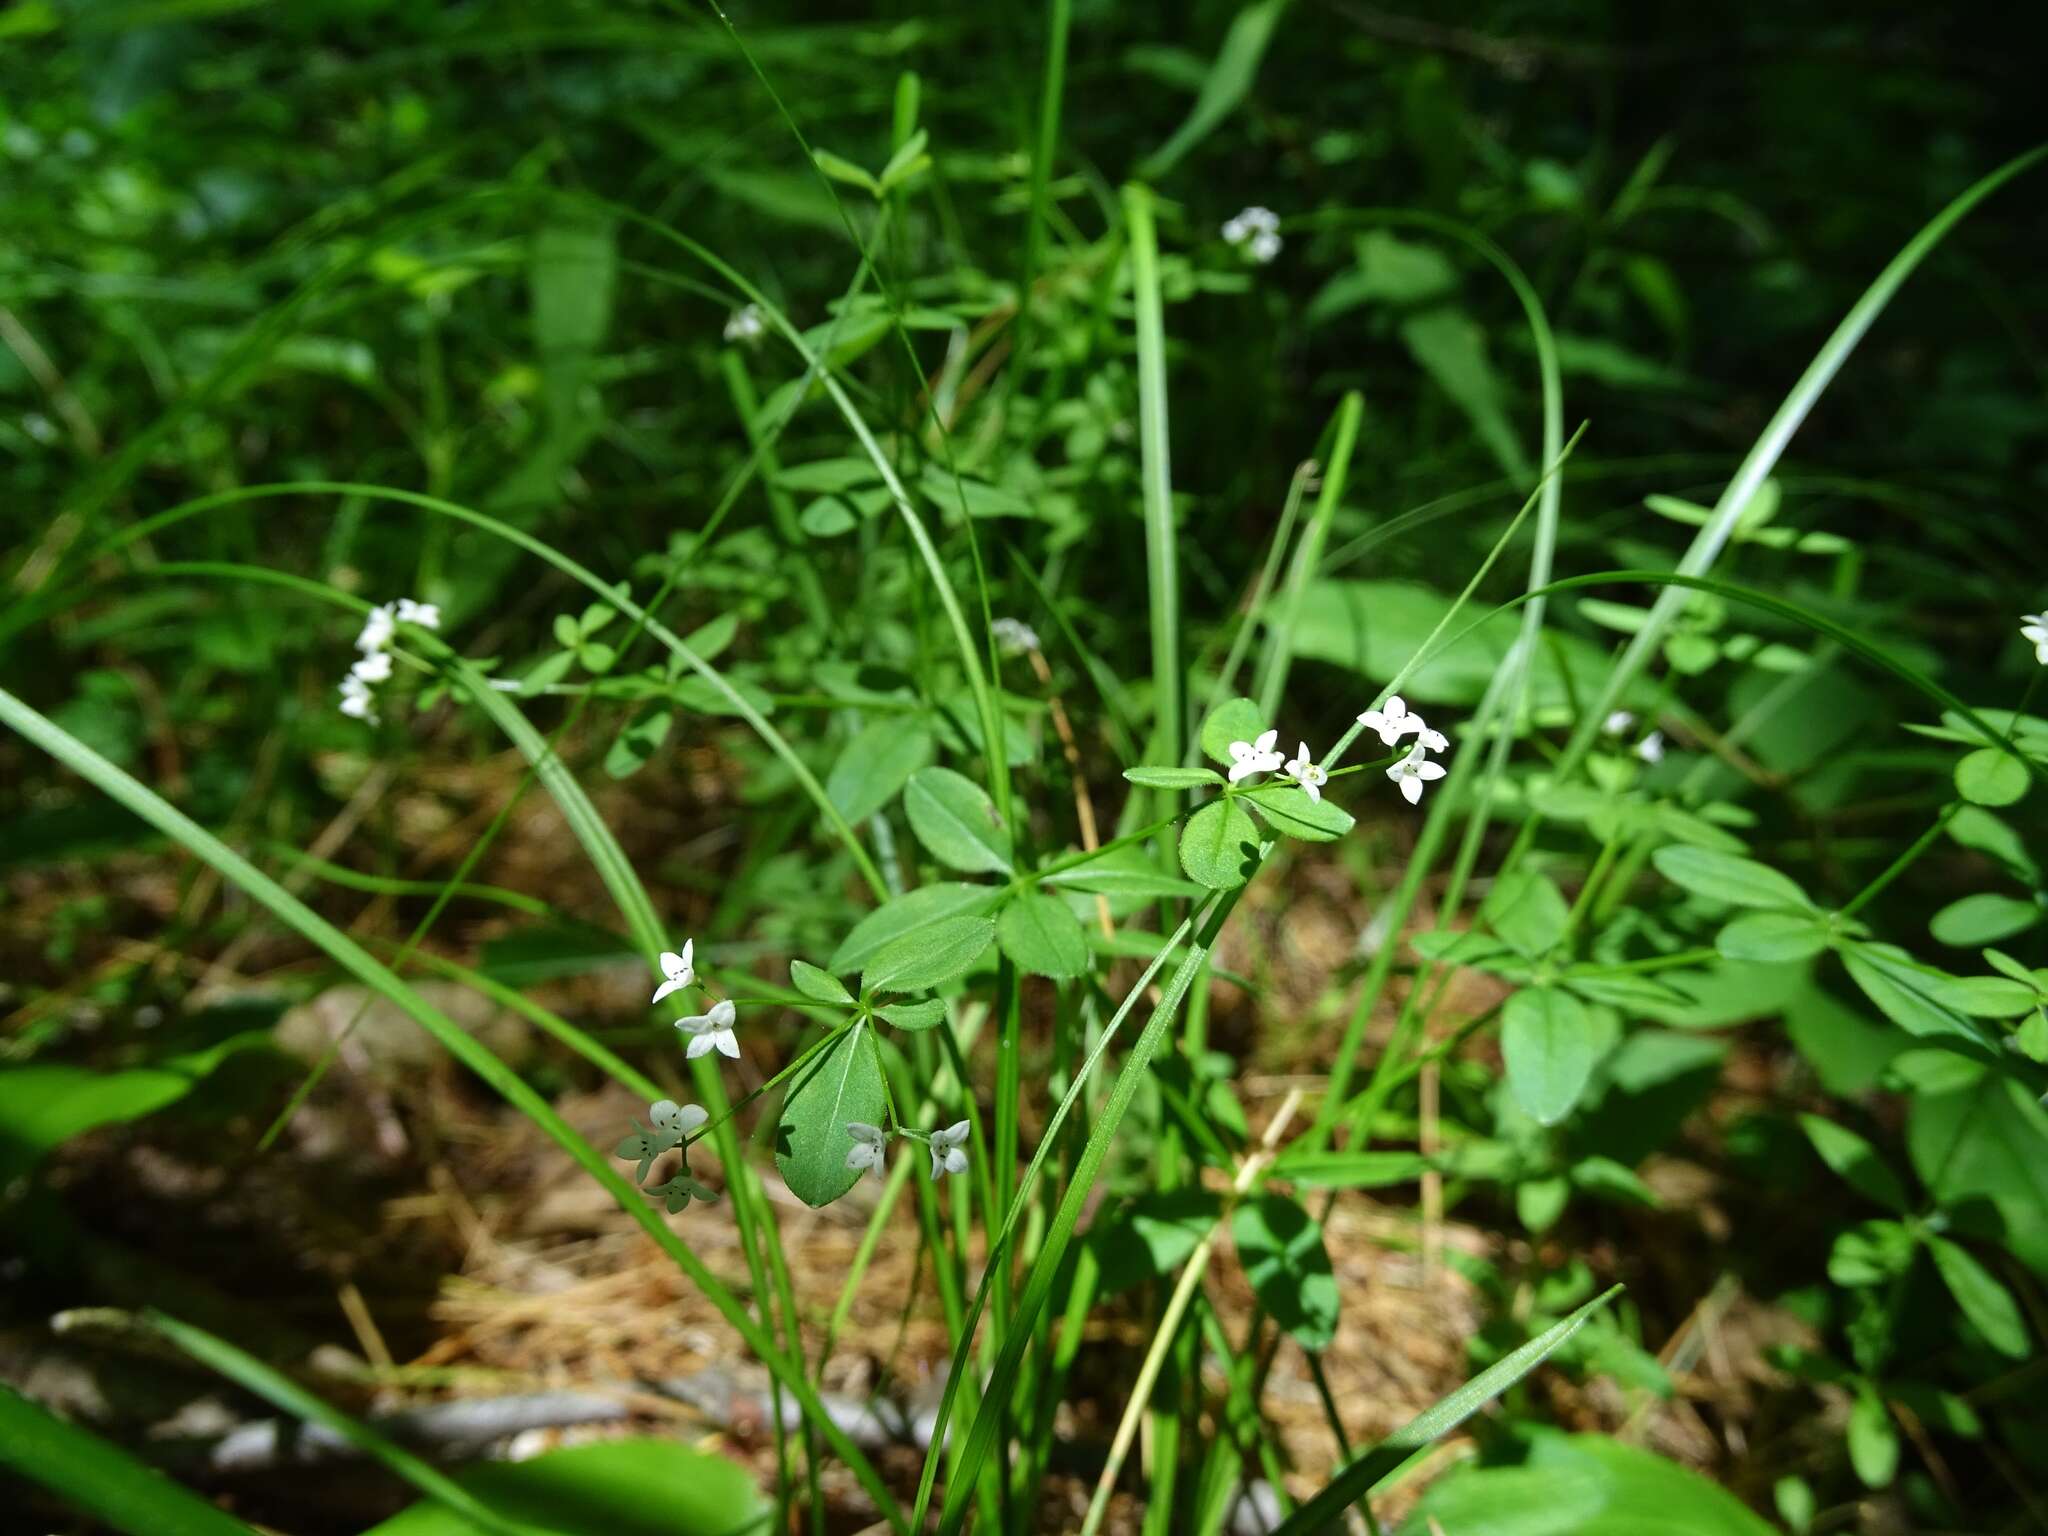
(1549, 1046)
(1281, 1248)
(956, 821)
(100, 1478)
(45, 1103)
(612, 1488)
(841, 1083)
(1233, 720)
(928, 956)
(639, 741)
(1773, 937)
(818, 984)
(1229, 80)
(1977, 1148)
(1992, 776)
(1042, 936)
(1983, 1297)
(1855, 1160)
(1219, 845)
(1451, 347)
(1723, 877)
(841, 169)
(1126, 872)
(876, 764)
(928, 1014)
(1873, 1439)
(1911, 995)
(909, 159)
(1368, 1470)
(827, 518)
(1871, 1253)
(1152, 1236)
(1527, 911)
(1581, 1485)
(1173, 778)
(1984, 918)
(905, 914)
(1288, 810)
(1350, 1170)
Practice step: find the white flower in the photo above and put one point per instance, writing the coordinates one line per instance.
(373, 668)
(1618, 722)
(1651, 748)
(1250, 757)
(745, 324)
(2035, 628)
(1304, 771)
(683, 1119)
(870, 1147)
(1014, 636)
(1393, 721)
(1412, 772)
(378, 628)
(711, 1031)
(948, 1153)
(356, 700)
(426, 615)
(1265, 245)
(676, 970)
(1249, 222)
(1432, 741)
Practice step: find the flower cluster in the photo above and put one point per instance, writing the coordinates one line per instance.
(1650, 749)
(1014, 636)
(2034, 626)
(1256, 232)
(870, 1149)
(380, 628)
(745, 324)
(1395, 720)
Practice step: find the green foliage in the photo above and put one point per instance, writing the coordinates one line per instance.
(614, 1488)
(858, 526)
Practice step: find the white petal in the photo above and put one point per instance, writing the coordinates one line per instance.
(1436, 741)
(1312, 789)
(667, 987)
(1265, 742)
(726, 1043)
(1372, 719)
(1411, 789)
(1396, 707)
(956, 1160)
(723, 1013)
(698, 1046)
(690, 1117)
(1240, 750)
(1426, 770)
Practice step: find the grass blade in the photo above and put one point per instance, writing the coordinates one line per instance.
(100, 1478)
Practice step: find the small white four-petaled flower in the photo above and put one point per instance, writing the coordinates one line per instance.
(676, 970)
(1412, 772)
(2035, 627)
(1014, 636)
(712, 1031)
(373, 668)
(1259, 756)
(1256, 232)
(745, 324)
(1305, 771)
(1392, 720)
(426, 615)
(378, 627)
(870, 1147)
(1651, 748)
(356, 701)
(1618, 722)
(682, 1119)
(949, 1155)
